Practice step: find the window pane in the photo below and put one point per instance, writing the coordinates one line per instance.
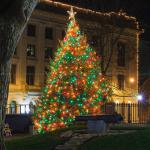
(63, 34)
(121, 54)
(31, 50)
(13, 74)
(48, 33)
(121, 81)
(30, 75)
(45, 74)
(48, 52)
(31, 29)
(13, 107)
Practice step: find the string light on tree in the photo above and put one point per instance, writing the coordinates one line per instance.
(75, 85)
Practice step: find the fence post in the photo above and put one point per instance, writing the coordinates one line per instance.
(129, 113)
(20, 108)
(25, 109)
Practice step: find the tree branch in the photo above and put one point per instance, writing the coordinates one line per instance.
(113, 43)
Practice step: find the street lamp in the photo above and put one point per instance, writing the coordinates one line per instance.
(140, 97)
(131, 80)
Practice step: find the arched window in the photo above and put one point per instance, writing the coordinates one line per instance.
(13, 108)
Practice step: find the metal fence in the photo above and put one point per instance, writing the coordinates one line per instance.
(20, 109)
(132, 113)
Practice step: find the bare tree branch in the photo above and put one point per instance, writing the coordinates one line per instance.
(112, 45)
(107, 40)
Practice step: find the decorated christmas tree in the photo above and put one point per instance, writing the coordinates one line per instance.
(75, 85)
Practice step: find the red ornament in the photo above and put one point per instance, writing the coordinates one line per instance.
(71, 48)
(104, 95)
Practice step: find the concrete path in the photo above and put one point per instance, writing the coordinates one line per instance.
(76, 139)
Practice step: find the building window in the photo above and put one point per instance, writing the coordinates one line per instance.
(48, 33)
(94, 41)
(45, 74)
(63, 34)
(121, 82)
(31, 30)
(13, 107)
(31, 50)
(121, 54)
(13, 74)
(48, 52)
(30, 75)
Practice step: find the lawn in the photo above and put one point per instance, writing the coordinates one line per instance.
(140, 140)
(38, 142)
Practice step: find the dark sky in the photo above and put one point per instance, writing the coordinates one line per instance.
(140, 9)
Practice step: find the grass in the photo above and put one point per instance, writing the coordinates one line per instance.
(139, 140)
(127, 128)
(38, 142)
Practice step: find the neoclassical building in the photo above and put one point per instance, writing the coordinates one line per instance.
(39, 42)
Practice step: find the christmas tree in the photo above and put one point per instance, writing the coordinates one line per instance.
(75, 85)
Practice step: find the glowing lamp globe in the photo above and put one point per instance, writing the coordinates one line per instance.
(140, 97)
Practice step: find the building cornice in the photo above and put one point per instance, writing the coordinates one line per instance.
(120, 18)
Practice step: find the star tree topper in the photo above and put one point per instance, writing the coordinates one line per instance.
(71, 13)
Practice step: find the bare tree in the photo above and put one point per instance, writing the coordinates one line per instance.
(108, 37)
(14, 14)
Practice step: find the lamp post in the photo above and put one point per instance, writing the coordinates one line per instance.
(131, 84)
(130, 115)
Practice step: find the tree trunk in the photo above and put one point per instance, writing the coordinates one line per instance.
(4, 82)
(13, 17)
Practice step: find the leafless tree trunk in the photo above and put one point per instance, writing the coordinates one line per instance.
(108, 36)
(14, 14)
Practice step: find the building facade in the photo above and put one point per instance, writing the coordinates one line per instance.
(39, 43)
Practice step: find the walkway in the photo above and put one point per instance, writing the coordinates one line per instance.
(79, 137)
